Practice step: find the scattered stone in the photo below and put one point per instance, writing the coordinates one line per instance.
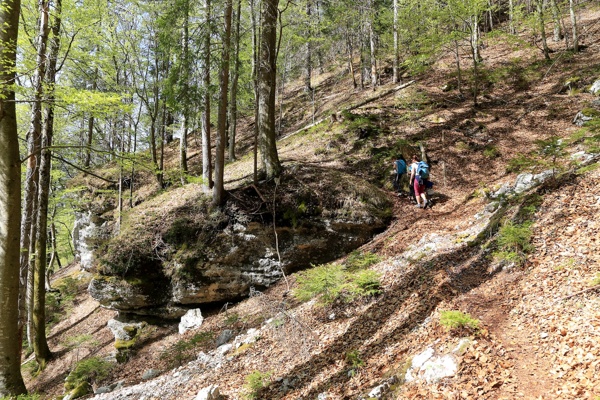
(543, 335)
(209, 393)
(430, 368)
(124, 330)
(224, 337)
(109, 388)
(191, 320)
(595, 89)
(150, 374)
(580, 118)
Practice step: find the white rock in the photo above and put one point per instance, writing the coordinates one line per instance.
(209, 393)
(192, 319)
(595, 89)
(439, 367)
(420, 359)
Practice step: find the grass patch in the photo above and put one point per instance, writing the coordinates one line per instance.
(88, 372)
(596, 280)
(255, 383)
(514, 242)
(358, 260)
(333, 282)
(459, 320)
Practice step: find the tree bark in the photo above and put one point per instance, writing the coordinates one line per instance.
(219, 189)
(234, 84)
(11, 381)
(185, 82)
(267, 86)
(205, 117)
(396, 69)
(558, 34)
(308, 59)
(574, 25)
(542, 28)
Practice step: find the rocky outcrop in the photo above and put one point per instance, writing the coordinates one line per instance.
(178, 250)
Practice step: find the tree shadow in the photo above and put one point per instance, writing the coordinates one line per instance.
(432, 280)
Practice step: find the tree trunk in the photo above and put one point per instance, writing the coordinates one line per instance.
(32, 174)
(511, 17)
(396, 66)
(308, 59)
(255, 45)
(219, 189)
(11, 381)
(40, 344)
(542, 28)
(558, 34)
(185, 89)
(234, 84)
(350, 58)
(574, 25)
(267, 86)
(372, 49)
(205, 117)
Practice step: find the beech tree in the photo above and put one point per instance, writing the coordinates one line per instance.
(11, 381)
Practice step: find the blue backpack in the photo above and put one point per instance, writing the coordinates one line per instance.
(423, 170)
(400, 167)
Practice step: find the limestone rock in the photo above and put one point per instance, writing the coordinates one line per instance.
(124, 330)
(595, 89)
(191, 254)
(191, 320)
(209, 393)
(224, 337)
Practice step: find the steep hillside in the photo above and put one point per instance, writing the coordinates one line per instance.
(537, 302)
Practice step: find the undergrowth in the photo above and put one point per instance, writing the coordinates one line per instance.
(255, 383)
(333, 282)
(185, 350)
(454, 319)
(514, 242)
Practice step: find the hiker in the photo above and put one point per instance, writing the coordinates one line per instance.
(419, 175)
(400, 170)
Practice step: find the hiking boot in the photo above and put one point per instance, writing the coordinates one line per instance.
(418, 205)
(425, 204)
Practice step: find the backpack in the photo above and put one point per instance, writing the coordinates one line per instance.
(400, 167)
(423, 170)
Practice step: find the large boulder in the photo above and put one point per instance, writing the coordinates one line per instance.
(178, 250)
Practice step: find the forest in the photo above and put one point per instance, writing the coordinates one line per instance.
(106, 89)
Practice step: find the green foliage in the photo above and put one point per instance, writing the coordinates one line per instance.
(596, 280)
(326, 280)
(365, 283)
(90, 370)
(30, 396)
(354, 360)
(458, 320)
(333, 282)
(232, 318)
(514, 242)
(520, 163)
(491, 152)
(256, 382)
(185, 350)
(359, 260)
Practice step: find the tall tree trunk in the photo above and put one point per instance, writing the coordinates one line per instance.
(458, 70)
(511, 17)
(350, 57)
(558, 34)
(267, 86)
(372, 48)
(234, 84)
(185, 83)
(542, 28)
(206, 154)
(90, 130)
(32, 174)
(40, 344)
(255, 45)
(396, 68)
(11, 381)
(574, 25)
(219, 189)
(308, 59)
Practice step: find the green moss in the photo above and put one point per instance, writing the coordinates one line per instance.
(81, 390)
(124, 344)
